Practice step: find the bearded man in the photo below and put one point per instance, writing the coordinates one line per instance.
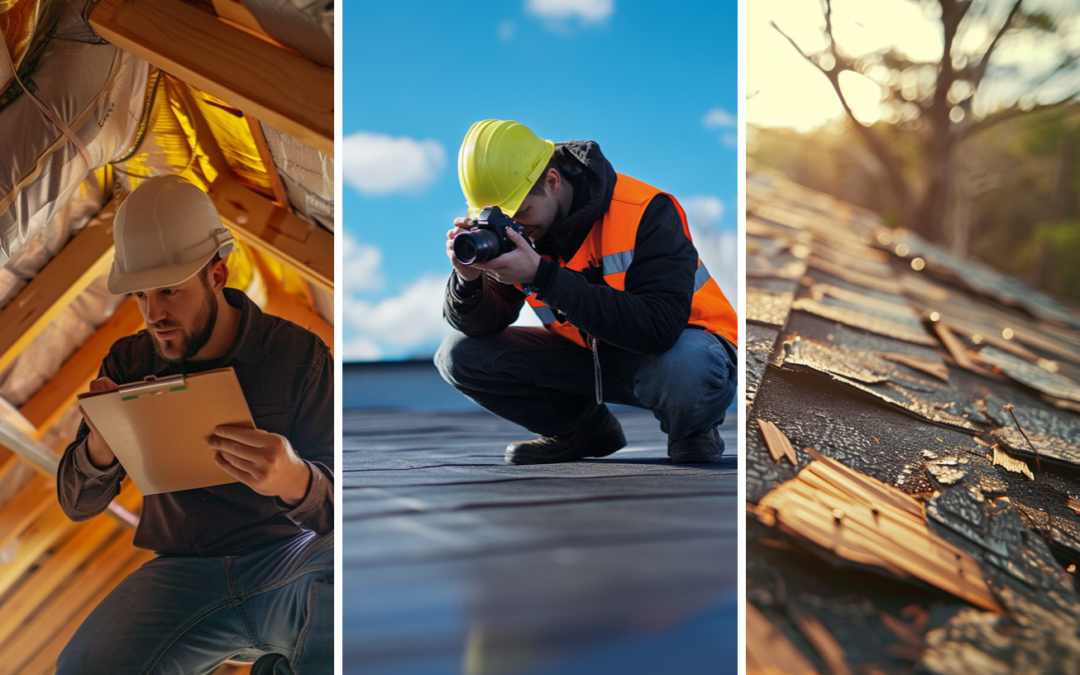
(244, 570)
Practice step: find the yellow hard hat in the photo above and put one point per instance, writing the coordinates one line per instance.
(498, 164)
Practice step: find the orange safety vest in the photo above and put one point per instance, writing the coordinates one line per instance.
(610, 245)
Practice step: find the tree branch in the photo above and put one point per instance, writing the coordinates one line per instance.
(980, 70)
(1014, 112)
(881, 150)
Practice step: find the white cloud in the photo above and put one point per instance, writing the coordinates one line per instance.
(361, 349)
(730, 140)
(404, 322)
(562, 11)
(703, 212)
(363, 266)
(716, 248)
(507, 30)
(718, 117)
(377, 164)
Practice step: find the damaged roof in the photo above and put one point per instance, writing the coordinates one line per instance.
(237, 97)
(913, 451)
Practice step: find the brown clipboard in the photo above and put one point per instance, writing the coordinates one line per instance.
(158, 429)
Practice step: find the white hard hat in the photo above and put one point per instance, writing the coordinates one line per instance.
(165, 232)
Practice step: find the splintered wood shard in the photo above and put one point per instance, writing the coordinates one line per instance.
(779, 445)
(866, 521)
(769, 651)
(1074, 504)
(824, 644)
(1010, 463)
(935, 368)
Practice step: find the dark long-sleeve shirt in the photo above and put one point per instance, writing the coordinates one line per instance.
(286, 374)
(647, 317)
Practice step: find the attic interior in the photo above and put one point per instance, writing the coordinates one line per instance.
(95, 97)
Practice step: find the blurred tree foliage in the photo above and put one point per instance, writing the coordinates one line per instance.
(931, 110)
(1019, 183)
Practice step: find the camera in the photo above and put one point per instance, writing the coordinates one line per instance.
(488, 240)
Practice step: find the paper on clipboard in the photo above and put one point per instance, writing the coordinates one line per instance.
(159, 428)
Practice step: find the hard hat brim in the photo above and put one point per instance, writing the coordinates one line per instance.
(160, 277)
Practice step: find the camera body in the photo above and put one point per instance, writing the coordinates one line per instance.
(488, 240)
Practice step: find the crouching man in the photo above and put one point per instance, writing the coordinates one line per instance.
(244, 570)
(630, 313)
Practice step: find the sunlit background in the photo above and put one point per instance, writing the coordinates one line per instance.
(989, 170)
(654, 83)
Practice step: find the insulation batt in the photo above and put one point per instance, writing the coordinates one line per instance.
(98, 91)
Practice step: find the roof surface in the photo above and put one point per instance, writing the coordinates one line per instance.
(930, 547)
(454, 560)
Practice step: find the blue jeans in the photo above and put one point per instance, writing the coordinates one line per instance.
(187, 615)
(546, 383)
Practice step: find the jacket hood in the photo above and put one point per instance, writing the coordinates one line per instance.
(584, 161)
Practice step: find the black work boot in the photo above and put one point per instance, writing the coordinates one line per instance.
(702, 447)
(592, 442)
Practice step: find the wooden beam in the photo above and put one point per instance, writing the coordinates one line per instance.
(282, 88)
(25, 507)
(74, 377)
(281, 197)
(307, 248)
(45, 532)
(59, 568)
(86, 257)
(38, 644)
(280, 304)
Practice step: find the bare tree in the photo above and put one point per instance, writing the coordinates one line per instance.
(931, 106)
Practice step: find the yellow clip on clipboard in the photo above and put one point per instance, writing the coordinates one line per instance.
(159, 428)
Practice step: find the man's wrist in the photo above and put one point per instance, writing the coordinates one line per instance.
(545, 271)
(302, 486)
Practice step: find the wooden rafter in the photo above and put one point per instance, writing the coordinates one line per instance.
(46, 406)
(272, 84)
(86, 257)
(280, 304)
(307, 248)
(281, 197)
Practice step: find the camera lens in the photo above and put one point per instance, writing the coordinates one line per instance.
(476, 246)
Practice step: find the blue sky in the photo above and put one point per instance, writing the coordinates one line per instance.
(654, 83)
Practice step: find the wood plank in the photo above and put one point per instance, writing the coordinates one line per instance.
(281, 197)
(67, 560)
(40, 659)
(45, 532)
(282, 88)
(777, 442)
(25, 507)
(85, 258)
(53, 399)
(307, 248)
(281, 304)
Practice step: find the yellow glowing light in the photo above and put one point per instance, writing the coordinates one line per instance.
(1007, 333)
(918, 264)
(934, 316)
(885, 238)
(977, 339)
(902, 250)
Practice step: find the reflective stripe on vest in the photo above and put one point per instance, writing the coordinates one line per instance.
(610, 246)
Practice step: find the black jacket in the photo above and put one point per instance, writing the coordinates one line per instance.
(648, 317)
(286, 374)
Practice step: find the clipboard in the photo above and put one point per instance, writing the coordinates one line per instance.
(158, 428)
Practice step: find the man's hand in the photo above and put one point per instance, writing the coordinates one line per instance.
(516, 267)
(464, 272)
(101, 455)
(263, 461)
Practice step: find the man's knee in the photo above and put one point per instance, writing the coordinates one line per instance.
(451, 355)
(697, 366)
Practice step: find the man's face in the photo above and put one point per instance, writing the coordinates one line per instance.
(180, 318)
(538, 213)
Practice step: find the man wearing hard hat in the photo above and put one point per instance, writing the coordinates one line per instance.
(630, 314)
(243, 569)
